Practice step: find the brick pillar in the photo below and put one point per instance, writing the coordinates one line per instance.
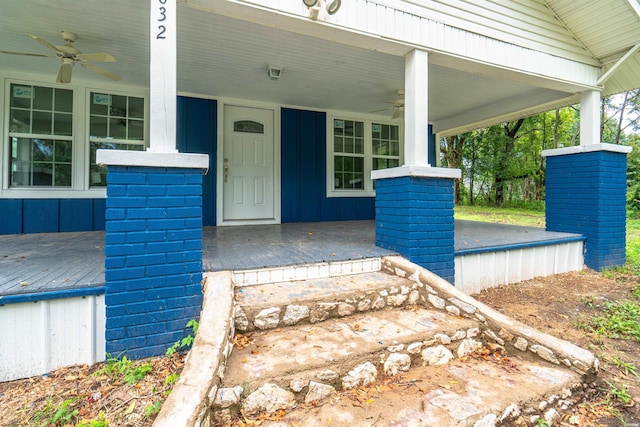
(153, 251)
(414, 216)
(586, 194)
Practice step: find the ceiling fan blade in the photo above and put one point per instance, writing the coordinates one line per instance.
(379, 111)
(64, 72)
(96, 57)
(44, 43)
(101, 71)
(396, 114)
(27, 54)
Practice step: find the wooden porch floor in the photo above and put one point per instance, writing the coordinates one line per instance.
(37, 263)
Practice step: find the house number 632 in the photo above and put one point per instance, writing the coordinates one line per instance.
(161, 18)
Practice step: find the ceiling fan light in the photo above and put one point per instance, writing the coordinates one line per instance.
(334, 6)
(64, 72)
(310, 3)
(274, 71)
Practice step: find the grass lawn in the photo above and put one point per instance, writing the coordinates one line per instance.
(514, 216)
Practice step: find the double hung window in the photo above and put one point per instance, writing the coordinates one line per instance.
(40, 136)
(356, 147)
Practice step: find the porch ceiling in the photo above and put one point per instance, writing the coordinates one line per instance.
(223, 57)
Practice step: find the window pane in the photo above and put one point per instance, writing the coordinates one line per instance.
(64, 101)
(118, 106)
(359, 129)
(100, 103)
(21, 96)
(62, 175)
(42, 150)
(338, 144)
(63, 151)
(136, 130)
(42, 174)
(20, 121)
(43, 98)
(359, 146)
(348, 145)
(63, 124)
(136, 108)
(42, 123)
(338, 127)
(98, 127)
(98, 174)
(117, 129)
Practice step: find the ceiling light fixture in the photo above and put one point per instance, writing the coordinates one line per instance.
(314, 7)
(274, 71)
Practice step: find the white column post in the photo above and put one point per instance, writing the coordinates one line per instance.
(162, 76)
(416, 113)
(590, 117)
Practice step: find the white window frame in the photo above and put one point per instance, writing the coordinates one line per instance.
(80, 188)
(367, 190)
(87, 134)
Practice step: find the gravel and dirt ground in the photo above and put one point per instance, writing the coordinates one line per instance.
(129, 394)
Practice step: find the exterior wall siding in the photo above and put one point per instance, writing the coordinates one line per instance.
(304, 171)
(18, 216)
(196, 130)
(586, 194)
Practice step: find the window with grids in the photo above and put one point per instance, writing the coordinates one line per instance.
(116, 122)
(358, 147)
(348, 154)
(41, 136)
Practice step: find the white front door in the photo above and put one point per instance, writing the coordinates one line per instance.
(248, 165)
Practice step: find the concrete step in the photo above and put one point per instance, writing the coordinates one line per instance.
(340, 344)
(285, 303)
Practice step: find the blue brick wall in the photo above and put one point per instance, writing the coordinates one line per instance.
(586, 194)
(414, 216)
(153, 257)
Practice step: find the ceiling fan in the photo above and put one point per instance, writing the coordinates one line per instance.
(69, 55)
(398, 105)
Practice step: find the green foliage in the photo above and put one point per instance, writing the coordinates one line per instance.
(626, 367)
(186, 342)
(51, 416)
(621, 394)
(527, 217)
(152, 409)
(171, 379)
(621, 319)
(541, 422)
(100, 422)
(125, 369)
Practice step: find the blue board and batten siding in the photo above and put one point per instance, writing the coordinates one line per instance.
(304, 173)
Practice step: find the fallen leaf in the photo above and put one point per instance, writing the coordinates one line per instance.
(130, 408)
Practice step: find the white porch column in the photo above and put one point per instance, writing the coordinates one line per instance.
(590, 117)
(416, 112)
(162, 76)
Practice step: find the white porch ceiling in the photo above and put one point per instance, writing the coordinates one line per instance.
(224, 57)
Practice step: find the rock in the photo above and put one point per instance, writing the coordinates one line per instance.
(327, 375)
(436, 301)
(267, 318)
(505, 335)
(240, 319)
(318, 392)
(521, 344)
(544, 353)
(453, 310)
(414, 348)
(345, 309)
(227, 397)
(396, 300)
(395, 348)
(512, 411)
(396, 363)
(439, 355)
(298, 384)
(363, 374)
(551, 416)
(492, 336)
(467, 308)
(468, 346)
(488, 420)
(364, 305)
(268, 398)
(379, 303)
(459, 335)
(295, 313)
(443, 338)
(473, 332)
(414, 296)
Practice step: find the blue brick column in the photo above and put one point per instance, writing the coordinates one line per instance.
(414, 216)
(586, 194)
(153, 256)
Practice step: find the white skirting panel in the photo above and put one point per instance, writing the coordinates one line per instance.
(37, 337)
(475, 272)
